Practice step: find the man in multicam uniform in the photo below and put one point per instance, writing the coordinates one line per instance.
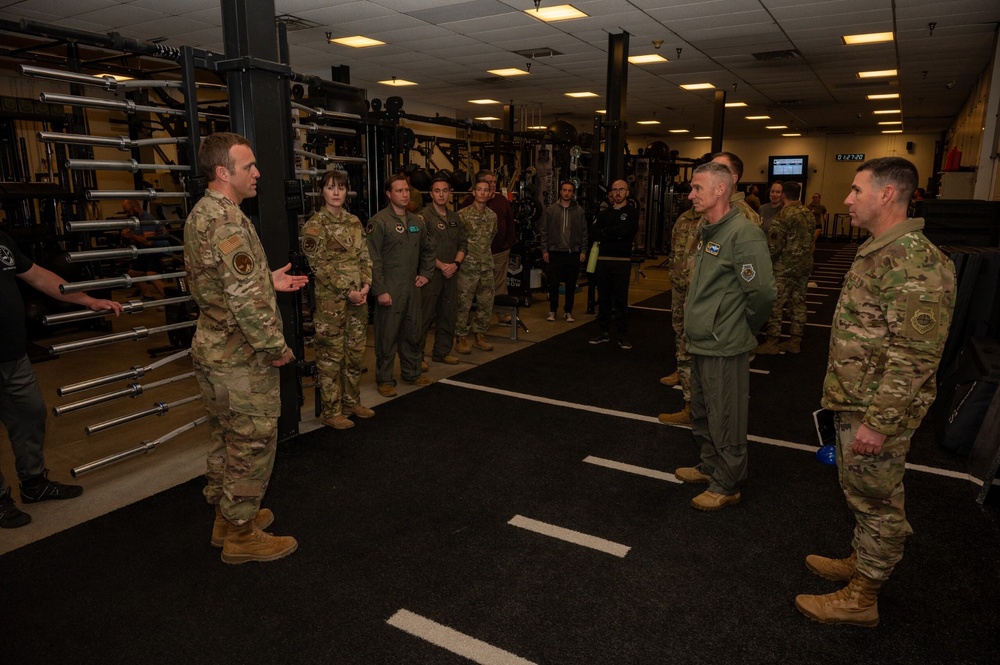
(475, 279)
(439, 297)
(334, 242)
(889, 330)
(790, 240)
(402, 263)
(683, 241)
(237, 349)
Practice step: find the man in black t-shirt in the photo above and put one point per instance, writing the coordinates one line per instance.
(614, 230)
(22, 409)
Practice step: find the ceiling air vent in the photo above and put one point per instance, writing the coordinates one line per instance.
(769, 56)
(790, 102)
(293, 23)
(532, 53)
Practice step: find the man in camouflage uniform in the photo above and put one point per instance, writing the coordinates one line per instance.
(402, 263)
(237, 349)
(683, 241)
(790, 240)
(889, 330)
(475, 279)
(334, 242)
(439, 296)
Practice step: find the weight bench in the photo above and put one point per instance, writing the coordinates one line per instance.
(508, 304)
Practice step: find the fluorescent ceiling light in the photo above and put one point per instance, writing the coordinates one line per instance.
(885, 112)
(487, 118)
(757, 117)
(698, 86)
(397, 82)
(580, 95)
(792, 134)
(869, 38)
(510, 71)
(703, 138)
(601, 111)
(678, 131)
(646, 59)
(648, 122)
(891, 122)
(892, 131)
(776, 127)
(876, 74)
(483, 101)
(735, 105)
(887, 95)
(357, 41)
(555, 13)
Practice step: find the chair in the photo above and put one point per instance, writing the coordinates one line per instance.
(508, 304)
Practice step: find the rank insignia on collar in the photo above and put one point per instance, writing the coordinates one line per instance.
(747, 272)
(400, 228)
(713, 248)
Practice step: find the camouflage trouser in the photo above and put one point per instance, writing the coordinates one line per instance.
(677, 300)
(791, 298)
(243, 403)
(873, 486)
(341, 333)
(474, 282)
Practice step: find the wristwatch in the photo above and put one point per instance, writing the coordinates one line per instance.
(458, 264)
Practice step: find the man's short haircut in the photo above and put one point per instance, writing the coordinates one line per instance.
(791, 190)
(734, 160)
(481, 179)
(441, 178)
(214, 151)
(483, 173)
(392, 179)
(567, 182)
(778, 183)
(895, 171)
(718, 172)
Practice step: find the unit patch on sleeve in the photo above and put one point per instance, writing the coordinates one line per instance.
(747, 272)
(243, 263)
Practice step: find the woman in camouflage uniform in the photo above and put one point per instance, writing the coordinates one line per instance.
(333, 240)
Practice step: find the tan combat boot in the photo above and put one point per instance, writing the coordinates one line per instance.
(248, 543)
(768, 348)
(671, 379)
(462, 344)
(690, 474)
(855, 604)
(220, 528)
(423, 367)
(339, 421)
(835, 570)
(481, 343)
(793, 345)
(359, 410)
(682, 417)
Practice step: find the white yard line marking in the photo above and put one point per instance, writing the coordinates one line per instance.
(648, 419)
(448, 638)
(570, 536)
(631, 468)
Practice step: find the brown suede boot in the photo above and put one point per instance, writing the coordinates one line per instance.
(768, 348)
(671, 379)
(220, 528)
(682, 417)
(462, 345)
(481, 343)
(855, 604)
(248, 543)
(793, 345)
(359, 410)
(835, 570)
(339, 421)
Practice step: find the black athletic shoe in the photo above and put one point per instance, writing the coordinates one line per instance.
(624, 342)
(40, 488)
(11, 516)
(601, 339)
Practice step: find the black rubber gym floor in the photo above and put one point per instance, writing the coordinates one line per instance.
(410, 511)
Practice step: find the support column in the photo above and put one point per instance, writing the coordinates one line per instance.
(260, 109)
(718, 120)
(616, 97)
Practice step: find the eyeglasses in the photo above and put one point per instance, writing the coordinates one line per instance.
(620, 189)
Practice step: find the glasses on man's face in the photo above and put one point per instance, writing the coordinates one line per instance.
(620, 189)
